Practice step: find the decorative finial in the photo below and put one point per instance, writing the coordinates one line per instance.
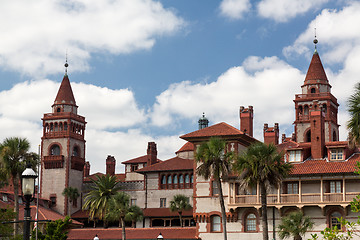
(66, 64)
(315, 41)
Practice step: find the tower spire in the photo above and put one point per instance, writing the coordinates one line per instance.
(66, 64)
(315, 41)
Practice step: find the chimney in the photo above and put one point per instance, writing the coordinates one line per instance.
(271, 135)
(246, 120)
(86, 169)
(110, 165)
(151, 153)
(317, 133)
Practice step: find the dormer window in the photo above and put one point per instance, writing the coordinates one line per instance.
(337, 154)
(294, 156)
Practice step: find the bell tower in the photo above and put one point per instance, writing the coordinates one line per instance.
(62, 149)
(316, 96)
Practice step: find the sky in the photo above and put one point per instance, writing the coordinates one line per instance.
(146, 70)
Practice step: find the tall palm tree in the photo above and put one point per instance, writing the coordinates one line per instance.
(261, 164)
(72, 195)
(97, 199)
(295, 224)
(14, 154)
(353, 124)
(120, 210)
(180, 203)
(215, 162)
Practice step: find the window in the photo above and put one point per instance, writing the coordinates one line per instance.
(250, 223)
(337, 154)
(134, 167)
(215, 189)
(334, 136)
(163, 202)
(4, 197)
(75, 152)
(163, 180)
(306, 110)
(187, 181)
(133, 202)
(293, 188)
(334, 221)
(58, 109)
(250, 191)
(53, 200)
(175, 180)
(295, 156)
(215, 223)
(308, 136)
(55, 150)
(181, 181)
(169, 179)
(313, 90)
(335, 187)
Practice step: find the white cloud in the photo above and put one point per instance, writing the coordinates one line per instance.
(38, 33)
(234, 9)
(268, 84)
(284, 10)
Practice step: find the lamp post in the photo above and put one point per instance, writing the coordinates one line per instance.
(28, 189)
(96, 237)
(160, 237)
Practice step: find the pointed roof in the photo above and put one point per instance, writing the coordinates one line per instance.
(316, 71)
(65, 94)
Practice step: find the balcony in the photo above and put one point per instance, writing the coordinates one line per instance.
(77, 163)
(52, 162)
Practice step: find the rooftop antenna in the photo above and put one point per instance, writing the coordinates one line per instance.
(66, 63)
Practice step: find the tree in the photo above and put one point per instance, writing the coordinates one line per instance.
(120, 210)
(215, 162)
(72, 195)
(6, 215)
(179, 204)
(295, 225)
(353, 124)
(14, 153)
(54, 230)
(97, 200)
(261, 164)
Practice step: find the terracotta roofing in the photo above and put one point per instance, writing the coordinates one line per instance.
(65, 94)
(220, 129)
(316, 71)
(119, 176)
(80, 214)
(164, 212)
(186, 147)
(142, 159)
(133, 233)
(172, 164)
(312, 167)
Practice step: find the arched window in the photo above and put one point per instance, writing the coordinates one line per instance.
(324, 107)
(51, 127)
(181, 181)
(175, 180)
(55, 150)
(215, 223)
(56, 127)
(65, 127)
(334, 136)
(187, 181)
(60, 126)
(334, 221)
(192, 179)
(250, 222)
(75, 151)
(313, 90)
(306, 110)
(58, 109)
(163, 179)
(169, 179)
(308, 136)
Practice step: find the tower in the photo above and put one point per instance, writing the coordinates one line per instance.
(316, 96)
(203, 122)
(62, 149)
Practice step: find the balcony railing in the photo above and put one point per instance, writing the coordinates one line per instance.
(51, 162)
(291, 199)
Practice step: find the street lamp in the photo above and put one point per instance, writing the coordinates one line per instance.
(28, 189)
(160, 237)
(96, 237)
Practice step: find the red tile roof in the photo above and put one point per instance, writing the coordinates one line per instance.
(142, 159)
(65, 94)
(316, 71)
(133, 233)
(119, 176)
(172, 164)
(313, 167)
(164, 212)
(220, 129)
(186, 147)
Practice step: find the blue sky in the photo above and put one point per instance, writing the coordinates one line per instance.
(145, 70)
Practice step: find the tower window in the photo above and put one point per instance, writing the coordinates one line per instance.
(75, 152)
(306, 110)
(308, 136)
(55, 150)
(313, 90)
(58, 109)
(324, 108)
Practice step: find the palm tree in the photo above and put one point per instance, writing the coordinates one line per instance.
(261, 164)
(14, 153)
(214, 162)
(97, 200)
(179, 204)
(295, 224)
(119, 209)
(72, 195)
(353, 124)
